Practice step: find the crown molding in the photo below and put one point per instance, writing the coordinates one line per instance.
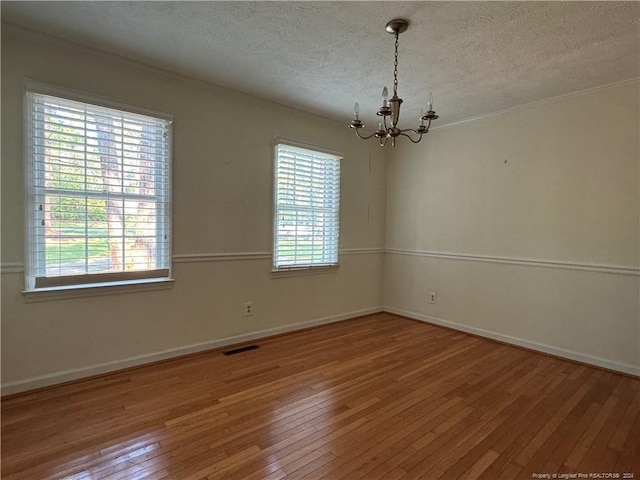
(525, 106)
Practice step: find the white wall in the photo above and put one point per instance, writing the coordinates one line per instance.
(541, 250)
(222, 191)
(527, 226)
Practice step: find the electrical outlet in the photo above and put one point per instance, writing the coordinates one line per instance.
(433, 297)
(248, 309)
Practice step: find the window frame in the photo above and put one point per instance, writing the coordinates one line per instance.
(295, 270)
(100, 283)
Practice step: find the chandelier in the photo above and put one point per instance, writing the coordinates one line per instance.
(387, 128)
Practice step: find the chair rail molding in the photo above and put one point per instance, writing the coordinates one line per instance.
(530, 262)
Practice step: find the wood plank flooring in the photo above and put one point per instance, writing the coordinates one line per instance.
(378, 397)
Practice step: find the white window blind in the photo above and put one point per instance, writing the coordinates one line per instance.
(307, 204)
(98, 183)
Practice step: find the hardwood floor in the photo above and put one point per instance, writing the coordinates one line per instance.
(378, 397)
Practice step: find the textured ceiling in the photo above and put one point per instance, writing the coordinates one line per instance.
(476, 57)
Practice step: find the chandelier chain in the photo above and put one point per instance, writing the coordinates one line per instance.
(395, 69)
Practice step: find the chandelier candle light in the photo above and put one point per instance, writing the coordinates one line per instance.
(391, 107)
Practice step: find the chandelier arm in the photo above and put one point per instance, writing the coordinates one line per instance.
(383, 143)
(409, 137)
(364, 138)
(424, 132)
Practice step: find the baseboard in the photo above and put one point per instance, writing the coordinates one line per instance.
(540, 347)
(109, 367)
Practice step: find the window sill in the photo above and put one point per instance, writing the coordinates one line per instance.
(304, 271)
(96, 289)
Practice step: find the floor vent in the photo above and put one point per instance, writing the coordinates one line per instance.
(240, 350)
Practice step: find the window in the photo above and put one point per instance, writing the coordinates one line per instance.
(307, 204)
(98, 193)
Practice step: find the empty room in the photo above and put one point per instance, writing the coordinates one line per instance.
(320, 240)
